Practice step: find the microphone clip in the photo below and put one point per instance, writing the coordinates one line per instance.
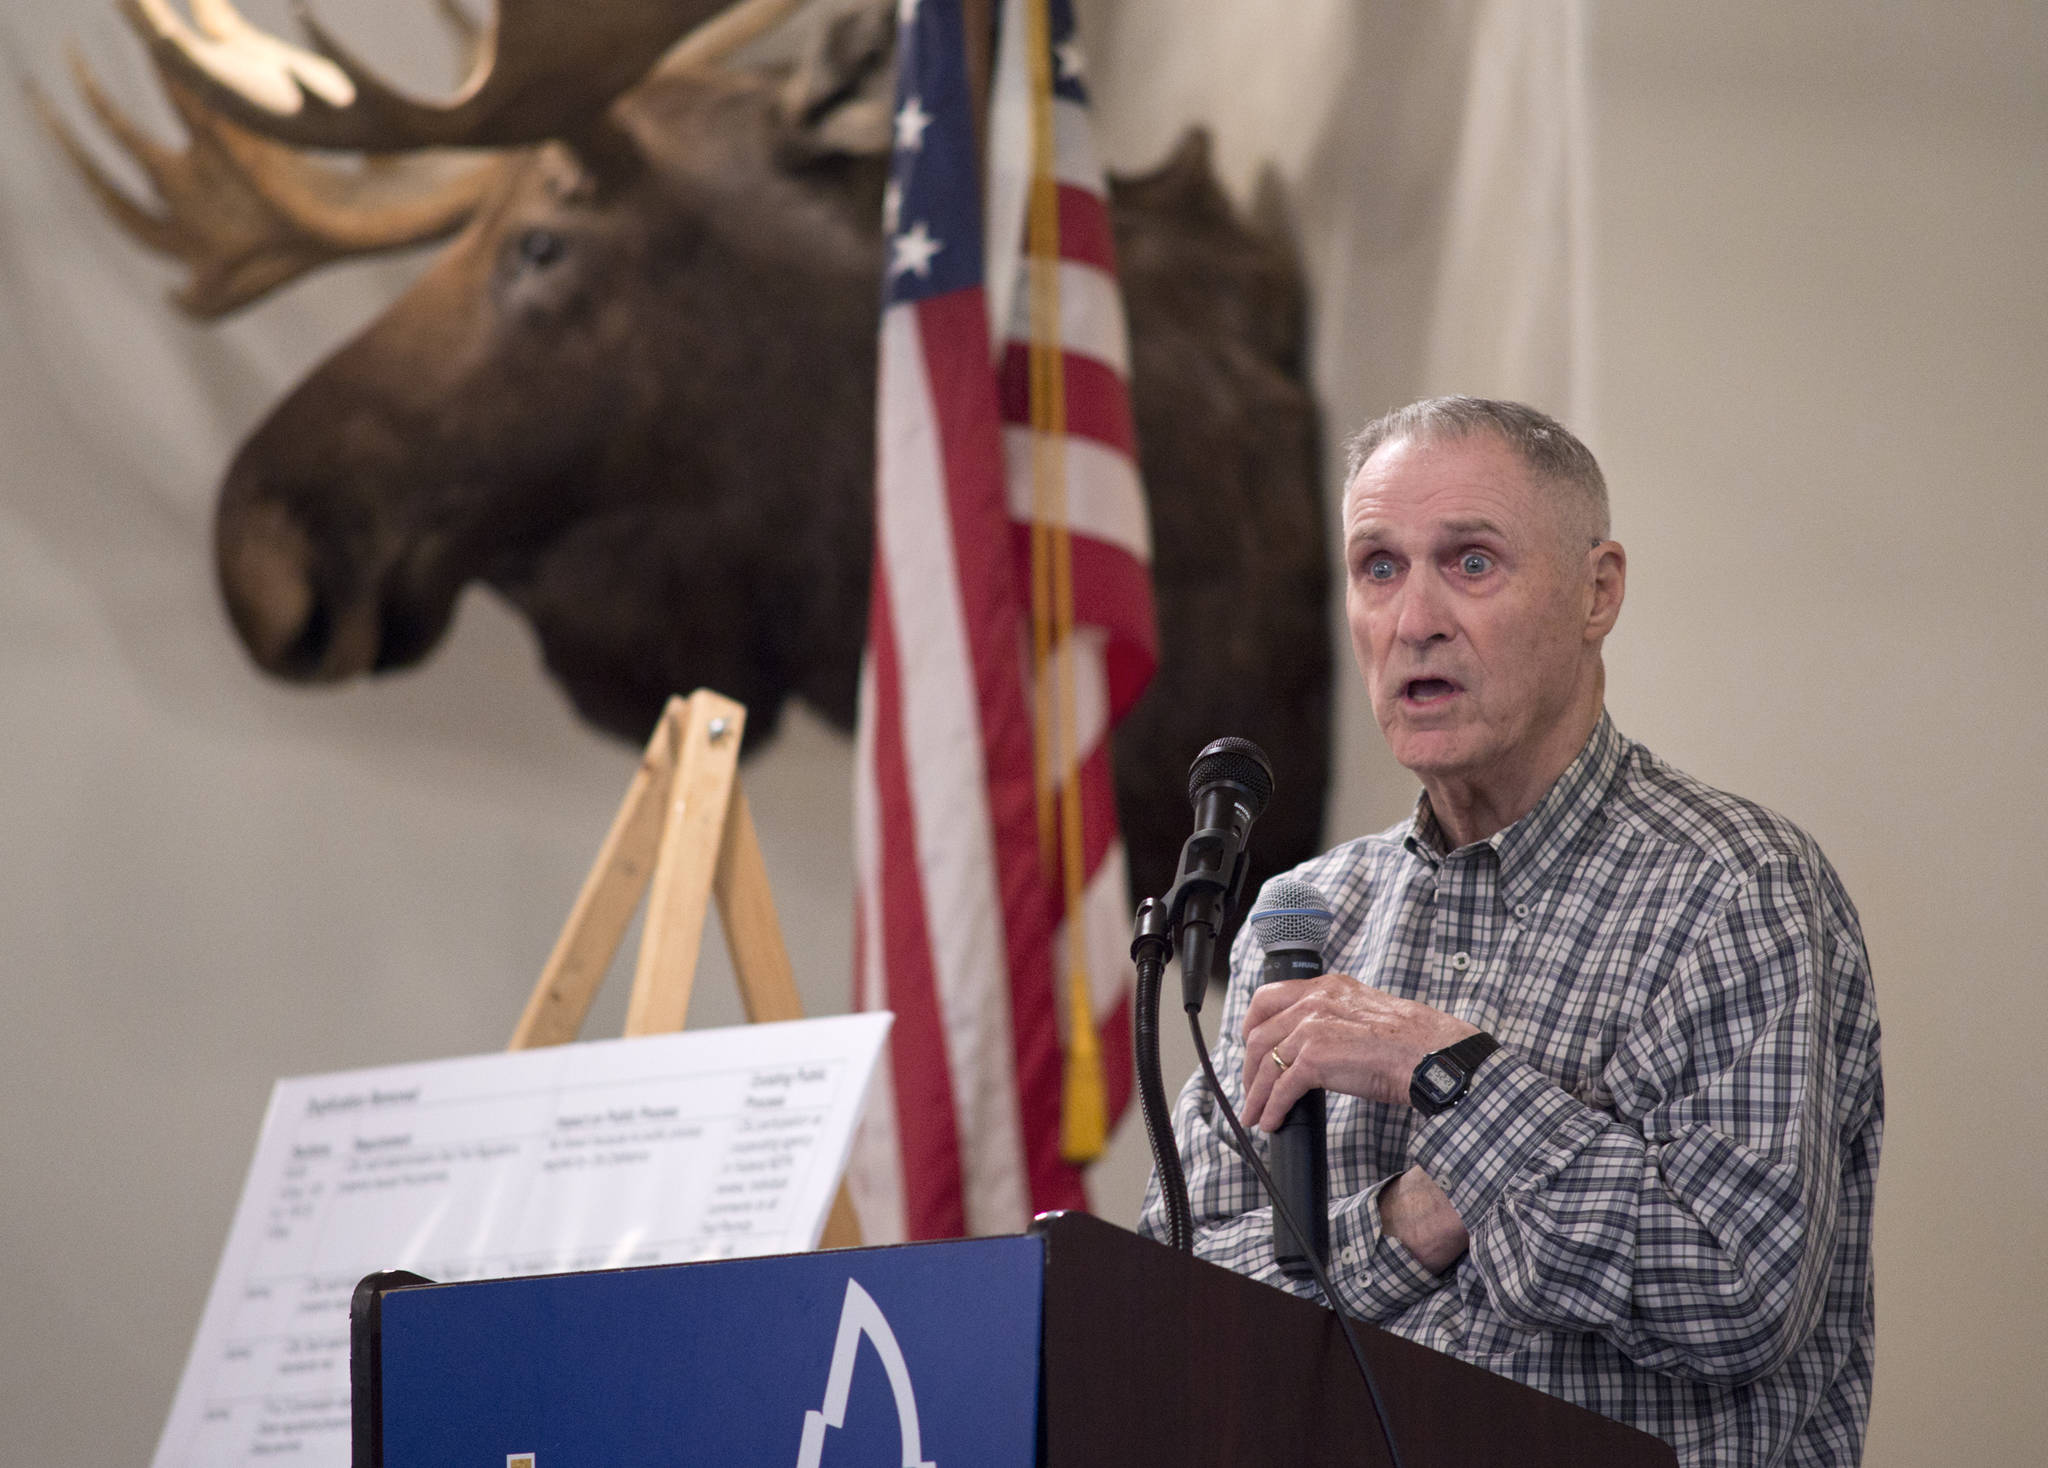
(1213, 869)
(1152, 933)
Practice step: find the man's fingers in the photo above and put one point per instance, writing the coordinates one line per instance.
(1269, 1000)
(1259, 1075)
(1272, 1089)
(1278, 1036)
(1330, 993)
(1289, 1086)
(1328, 1030)
(1284, 1015)
(1290, 1007)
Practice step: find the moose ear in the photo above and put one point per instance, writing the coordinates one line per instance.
(838, 101)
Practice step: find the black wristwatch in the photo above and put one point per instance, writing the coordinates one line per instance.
(1444, 1076)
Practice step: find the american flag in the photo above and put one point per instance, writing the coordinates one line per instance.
(1010, 628)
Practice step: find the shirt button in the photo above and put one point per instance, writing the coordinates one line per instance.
(1461, 960)
(1521, 909)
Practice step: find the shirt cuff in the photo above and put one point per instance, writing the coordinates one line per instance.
(1513, 1118)
(1372, 1271)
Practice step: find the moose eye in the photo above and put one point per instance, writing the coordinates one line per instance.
(540, 248)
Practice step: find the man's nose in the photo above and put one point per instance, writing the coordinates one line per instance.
(1422, 613)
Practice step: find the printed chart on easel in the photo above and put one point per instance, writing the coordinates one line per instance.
(661, 1149)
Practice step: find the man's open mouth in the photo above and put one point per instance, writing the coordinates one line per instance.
(1427, 690)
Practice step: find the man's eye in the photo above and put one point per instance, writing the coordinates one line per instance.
(1473, 563)
(1379, 568)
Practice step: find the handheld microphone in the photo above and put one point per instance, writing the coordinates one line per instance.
(1292, 923)
(1229, 785)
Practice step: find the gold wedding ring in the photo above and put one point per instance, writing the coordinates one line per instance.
(1277, 1060)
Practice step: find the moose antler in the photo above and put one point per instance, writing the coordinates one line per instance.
(548, 67)
(246, 215)
(247, 211)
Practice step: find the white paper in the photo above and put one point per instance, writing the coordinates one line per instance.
(707, 1144)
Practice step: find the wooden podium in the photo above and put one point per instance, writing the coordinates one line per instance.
(1075, 1346)
(1153, 1358)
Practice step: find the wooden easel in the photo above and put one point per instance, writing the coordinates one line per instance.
(684, 831)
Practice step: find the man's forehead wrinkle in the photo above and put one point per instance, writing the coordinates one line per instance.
(1475, 525)
(1489, 489)
(1464, 528)
(1476, 509)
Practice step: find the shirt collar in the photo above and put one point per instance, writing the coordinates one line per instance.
(1532, 846)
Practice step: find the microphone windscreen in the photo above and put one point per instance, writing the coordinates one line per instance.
(1291, 914)
(1237, 761)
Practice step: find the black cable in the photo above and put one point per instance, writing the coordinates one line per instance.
(1251, 1155)
(1173, 1183)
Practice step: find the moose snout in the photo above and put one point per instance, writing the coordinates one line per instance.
(291, 610)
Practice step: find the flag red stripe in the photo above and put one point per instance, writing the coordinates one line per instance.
(934, 1201)
(1114, 591)
(1086, 237)
(1115, 1044)
(1112, 588)
(1098, 808)
(1098, 406)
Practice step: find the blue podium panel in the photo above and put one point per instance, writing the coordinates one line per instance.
(926, 1355)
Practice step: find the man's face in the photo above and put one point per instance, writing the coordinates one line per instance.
(1469, 604)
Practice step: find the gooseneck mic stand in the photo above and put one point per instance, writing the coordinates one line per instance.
(1228, 786)
(1151, 946)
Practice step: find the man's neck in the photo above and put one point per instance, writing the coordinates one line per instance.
(1472, 808)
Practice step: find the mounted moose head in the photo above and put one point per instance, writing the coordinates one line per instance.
(635, 394)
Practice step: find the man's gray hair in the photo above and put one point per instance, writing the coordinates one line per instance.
(1552, 452)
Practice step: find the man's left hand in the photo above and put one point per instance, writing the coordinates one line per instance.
(1421, 1215)
(1337, 1034)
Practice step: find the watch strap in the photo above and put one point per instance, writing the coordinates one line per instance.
(1468, 1052)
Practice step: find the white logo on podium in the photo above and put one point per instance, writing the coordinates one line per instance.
(861, 1316)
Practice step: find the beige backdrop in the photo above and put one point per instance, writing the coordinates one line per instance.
(1799, 310)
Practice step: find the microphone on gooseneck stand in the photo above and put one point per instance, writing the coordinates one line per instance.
(1229, 785)
(1292, 923)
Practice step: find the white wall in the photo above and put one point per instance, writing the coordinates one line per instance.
(1824, 332)
(1816, 379)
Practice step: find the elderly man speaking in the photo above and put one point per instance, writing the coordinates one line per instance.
(1599, 1043)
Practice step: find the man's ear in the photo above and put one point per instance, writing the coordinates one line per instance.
(1608, 582)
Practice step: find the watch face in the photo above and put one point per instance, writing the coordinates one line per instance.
(1440, 1078)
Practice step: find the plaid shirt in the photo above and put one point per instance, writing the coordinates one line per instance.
(1667, 1171)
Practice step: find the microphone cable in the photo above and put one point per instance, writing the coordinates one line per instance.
(1149, 949)
(1379, 1407)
